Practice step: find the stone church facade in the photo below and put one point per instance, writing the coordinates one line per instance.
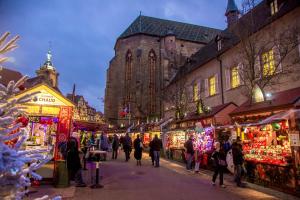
(147, 57)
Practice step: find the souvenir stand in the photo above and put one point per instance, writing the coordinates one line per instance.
(49, 115)
(175, 139)
(270, 136)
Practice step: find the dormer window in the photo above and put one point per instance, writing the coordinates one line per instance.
(274, 7)
(219, 45)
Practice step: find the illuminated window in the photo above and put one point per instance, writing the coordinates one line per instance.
(235, 79)
(195, 92)
(274, 7)
(257, 94)
(268, 63)
(212, 86)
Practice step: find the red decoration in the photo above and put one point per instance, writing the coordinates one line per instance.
(23, 120)
(35, 183)
(123, 114)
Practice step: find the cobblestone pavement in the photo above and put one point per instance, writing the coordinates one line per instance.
(126, 181)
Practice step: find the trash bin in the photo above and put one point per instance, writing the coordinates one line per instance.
(61, 177)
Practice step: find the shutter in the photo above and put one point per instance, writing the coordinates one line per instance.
(241, 73)
(257, 67)
(217, 83)
(277, 58)
(199, 89)
(206, 89)
(227, 79)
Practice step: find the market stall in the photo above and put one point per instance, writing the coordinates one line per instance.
(270, 136)
(175, 144)
(49, 114)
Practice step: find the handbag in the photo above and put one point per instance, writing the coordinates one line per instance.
(222, 162)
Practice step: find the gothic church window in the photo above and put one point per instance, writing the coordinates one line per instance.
(152, 84)
(128, 74)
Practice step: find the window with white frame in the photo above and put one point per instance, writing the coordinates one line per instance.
(274, 7)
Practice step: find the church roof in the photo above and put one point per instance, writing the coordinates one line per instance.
(229, 39)
(161, 27)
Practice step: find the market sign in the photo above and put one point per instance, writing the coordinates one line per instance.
(45, 98)
(294, 138)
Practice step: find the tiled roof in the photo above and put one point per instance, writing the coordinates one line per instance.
(8, 75)
(214, 110)
(279, 100)
(161, 27)
(262, 18)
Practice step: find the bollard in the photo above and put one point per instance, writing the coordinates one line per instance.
(97, 185)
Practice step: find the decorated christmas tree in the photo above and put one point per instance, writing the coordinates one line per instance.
(17, 165)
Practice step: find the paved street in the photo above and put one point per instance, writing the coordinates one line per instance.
(126, 181)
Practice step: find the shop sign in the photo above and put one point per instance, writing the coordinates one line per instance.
(294, 138)
(45, 98)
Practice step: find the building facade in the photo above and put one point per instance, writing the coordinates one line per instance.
(147, 57)
(220, 73)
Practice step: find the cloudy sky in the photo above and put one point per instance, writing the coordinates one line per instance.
(83, 34)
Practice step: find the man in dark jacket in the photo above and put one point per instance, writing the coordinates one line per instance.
(189, 152)
(115, 146)
(156, 146)
(238, 160)
(127, 146)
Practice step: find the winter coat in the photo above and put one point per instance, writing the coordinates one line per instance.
(104, 143)
(237, 154)
(127, 143)
(189, 147)
(115, 143)
(156, 144)
(217, 156)
(137, 149)
(73, 160)
(151, 149)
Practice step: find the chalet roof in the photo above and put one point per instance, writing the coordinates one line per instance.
(214, 110)
(280, 100)
(262, 17)
(162, 27)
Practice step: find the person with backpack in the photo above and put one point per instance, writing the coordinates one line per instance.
(219, 162)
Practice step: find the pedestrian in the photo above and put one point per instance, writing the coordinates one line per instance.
(138, 150)
(104, 144)
(115, 146)
(73, 164)
(127, 146)
(189, 149)
(157, 145)
(151, 154)
(198, 158)
(238, 161)
(226, 145)
(219, 161)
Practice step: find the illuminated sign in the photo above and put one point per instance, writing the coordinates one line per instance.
(45, 98)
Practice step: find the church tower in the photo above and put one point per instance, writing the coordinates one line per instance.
(48, 71)
(232, 13)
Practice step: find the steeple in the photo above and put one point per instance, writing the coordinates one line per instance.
(48, 71)
(232, 13)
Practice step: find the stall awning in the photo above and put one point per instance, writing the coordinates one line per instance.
(280, 100)
(281, 116)
(89, 126)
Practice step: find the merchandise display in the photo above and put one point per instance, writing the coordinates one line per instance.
(268, 144)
